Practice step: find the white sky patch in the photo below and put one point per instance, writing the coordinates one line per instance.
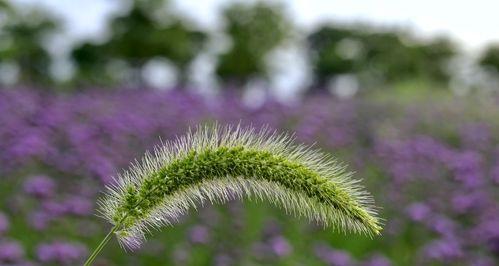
(160, 73)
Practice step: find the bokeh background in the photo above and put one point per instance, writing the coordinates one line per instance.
(405, 93)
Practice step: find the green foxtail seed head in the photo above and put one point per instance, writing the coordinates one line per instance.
(215, 164)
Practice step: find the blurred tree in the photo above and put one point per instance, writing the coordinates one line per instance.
(397, 60)
(490, 58)
(389, 55)
(437, 54)
(23, 32)
(92, 60)
(137, 37)
(327, 57)
(254, 31)
(4, 8)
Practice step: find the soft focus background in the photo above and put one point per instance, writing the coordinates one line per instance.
(406, 93)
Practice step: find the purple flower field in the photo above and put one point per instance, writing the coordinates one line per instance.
(432, 166)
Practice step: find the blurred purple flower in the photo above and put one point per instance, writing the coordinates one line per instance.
(493, 244)
(495, 173)
(61, 252)
(418, 211)
(280, 246)
(272, 228)
(442, 225)
(445, 250)
(333, 257)
(180, 255)
(40, 186)
(4, 223)
(486, 232)
(261, 250)
(475, 135)
(377, 260)
(11, 251)
(199, 234)
(465, 202)
(444, 176)
(39, 220)
(467, 167)
(78, 206)
(482, 261)
(223, 260)
(31, 143)
(54, 208)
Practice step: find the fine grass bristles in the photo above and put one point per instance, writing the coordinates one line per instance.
(214, 164)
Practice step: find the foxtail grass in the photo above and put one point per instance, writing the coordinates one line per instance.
(214, 164)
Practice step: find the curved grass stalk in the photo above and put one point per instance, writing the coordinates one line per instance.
(217, 164)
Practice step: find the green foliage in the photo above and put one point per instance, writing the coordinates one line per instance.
(22, 36)
(215, 165)
(137, 37)
(149, 30)
(323, 45)
(254, 30)
(391, 55)
(91, 60)
(490, 58)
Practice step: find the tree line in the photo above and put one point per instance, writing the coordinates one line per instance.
(150, 29)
